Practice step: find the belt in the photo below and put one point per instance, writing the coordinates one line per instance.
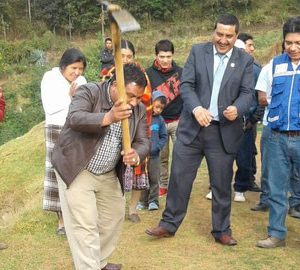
(214, 122)
(289, 133)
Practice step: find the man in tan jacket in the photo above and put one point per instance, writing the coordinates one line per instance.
(85, 158)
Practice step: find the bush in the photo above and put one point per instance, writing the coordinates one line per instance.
(3, 65)
(20, 119)
(91, 52)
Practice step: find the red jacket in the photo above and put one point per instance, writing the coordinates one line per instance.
(2, 107)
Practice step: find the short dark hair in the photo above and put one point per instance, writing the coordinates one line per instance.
(244, 37)
(107, 39)
(164, 45)
(228, 19)
(72, 56)
(132, 74)
(292, 25)
(126, 44)
(162, 100)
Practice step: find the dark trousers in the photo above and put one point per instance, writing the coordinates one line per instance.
(245, 161)
(152, 194)
(185, 163)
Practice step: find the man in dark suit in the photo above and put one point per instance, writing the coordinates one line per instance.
(217, 90)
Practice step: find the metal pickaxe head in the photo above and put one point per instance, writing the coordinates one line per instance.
(122, 17)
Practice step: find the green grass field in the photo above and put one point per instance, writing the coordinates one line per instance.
(33, 244)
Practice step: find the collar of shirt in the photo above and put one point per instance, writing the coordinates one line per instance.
(228, 54)
(217, 58)
(295, 66)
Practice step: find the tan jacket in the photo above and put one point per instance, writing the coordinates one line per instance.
(82, 133)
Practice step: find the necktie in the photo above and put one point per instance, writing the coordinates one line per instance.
(218, 76)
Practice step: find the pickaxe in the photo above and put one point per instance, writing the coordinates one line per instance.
(121, 22)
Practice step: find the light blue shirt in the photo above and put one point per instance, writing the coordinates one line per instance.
(213, 107)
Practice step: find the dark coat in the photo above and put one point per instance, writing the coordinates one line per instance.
(237, 88)
(82, 133)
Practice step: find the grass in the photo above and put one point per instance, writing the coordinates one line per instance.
(30, 231)
(33, 245)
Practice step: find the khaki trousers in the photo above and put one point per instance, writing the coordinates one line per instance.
(93, 209)
(164, 154)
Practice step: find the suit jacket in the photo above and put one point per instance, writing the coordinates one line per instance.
(82, 133)
(237, 88)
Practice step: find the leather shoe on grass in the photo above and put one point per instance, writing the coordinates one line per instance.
(112, 266)
(159, 232)
(254, 188)
(226, 240)
(295, 211)
(271, 242)
(260, 207)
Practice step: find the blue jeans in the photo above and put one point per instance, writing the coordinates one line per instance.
(266, 131)
(294, 198)
(282, 157)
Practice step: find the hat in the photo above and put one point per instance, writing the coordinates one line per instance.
(156, 94)
(240, 44)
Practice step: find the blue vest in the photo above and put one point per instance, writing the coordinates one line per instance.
(284, 109)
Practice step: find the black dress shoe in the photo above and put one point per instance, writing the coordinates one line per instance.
(295, 211)
(254, 188)
(260, 207)
(159, 232)
(112, 266)
(226, 240)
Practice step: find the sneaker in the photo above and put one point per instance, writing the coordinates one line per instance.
(295, 211)
(61, 231)
(140, 206)
(260, 207)
(163, 192)
(134, 218)
(3, 246)
(239, 197)
(209, 195)
(152, 206)
(271, 242)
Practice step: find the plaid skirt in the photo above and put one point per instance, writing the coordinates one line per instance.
(51, 197)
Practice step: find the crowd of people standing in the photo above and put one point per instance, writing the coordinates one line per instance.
(209, 109)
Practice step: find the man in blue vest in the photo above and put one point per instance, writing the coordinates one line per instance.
(283, 148)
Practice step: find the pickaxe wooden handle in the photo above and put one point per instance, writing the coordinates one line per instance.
(116, 37)
(121, 21)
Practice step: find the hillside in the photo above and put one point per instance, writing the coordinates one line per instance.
(30, 232)
(31, 49)
(33, 244)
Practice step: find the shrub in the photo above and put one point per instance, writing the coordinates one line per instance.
(19, 120)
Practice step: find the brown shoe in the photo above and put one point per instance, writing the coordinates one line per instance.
(112, 266)
(159, 232)
(226, 240)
